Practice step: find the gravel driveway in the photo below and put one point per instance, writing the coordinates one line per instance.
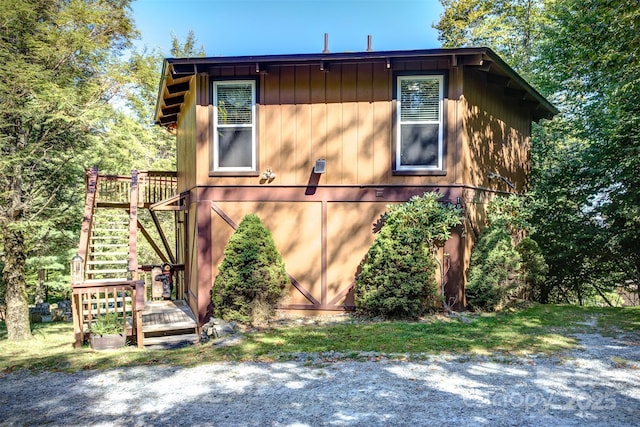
(598, 384)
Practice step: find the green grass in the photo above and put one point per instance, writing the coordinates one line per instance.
(542, 329)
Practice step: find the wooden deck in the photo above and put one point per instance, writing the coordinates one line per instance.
(167, 324)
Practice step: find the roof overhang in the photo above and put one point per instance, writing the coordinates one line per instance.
(177, 73)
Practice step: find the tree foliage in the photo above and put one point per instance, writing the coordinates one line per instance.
(398, 274)
(584, 55)
(252, 276)
(510, 27)
(57, 61)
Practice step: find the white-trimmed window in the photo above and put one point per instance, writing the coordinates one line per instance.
(234, 126)
(419, 130)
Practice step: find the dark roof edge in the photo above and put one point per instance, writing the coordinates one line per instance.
(376, 54)
(521, 81)
(168, 64)
(163, 77)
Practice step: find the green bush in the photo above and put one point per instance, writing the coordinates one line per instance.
(499, 271)
(398, 278)
(493, 275)
(108, 324)
(252, 275)
(534, 270)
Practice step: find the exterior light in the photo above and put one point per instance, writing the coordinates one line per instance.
(268, 175)
(77, 270)
(320, 166)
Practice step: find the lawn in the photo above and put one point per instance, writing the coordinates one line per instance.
(540, 329)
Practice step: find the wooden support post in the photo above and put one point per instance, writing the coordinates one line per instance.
(76, 312)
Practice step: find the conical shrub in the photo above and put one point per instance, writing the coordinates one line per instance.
(252, 275)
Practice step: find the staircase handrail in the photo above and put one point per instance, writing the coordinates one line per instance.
(91, 185)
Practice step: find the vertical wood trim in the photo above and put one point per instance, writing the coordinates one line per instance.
(133, 226)
(205, 275)
(454, 125)
(323, 254)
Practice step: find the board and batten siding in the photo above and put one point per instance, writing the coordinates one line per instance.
(343, 114)
(497, 135)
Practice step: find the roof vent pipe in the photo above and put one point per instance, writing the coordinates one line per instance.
(369, 48)
(326, 43)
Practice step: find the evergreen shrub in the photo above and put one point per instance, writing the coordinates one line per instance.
(493, 271)
(500, 271)
(534, 269)
(398, 275)
(252, 275)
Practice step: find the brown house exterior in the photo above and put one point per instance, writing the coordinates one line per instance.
(317, 145)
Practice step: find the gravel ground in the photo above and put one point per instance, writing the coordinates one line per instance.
(598, 384)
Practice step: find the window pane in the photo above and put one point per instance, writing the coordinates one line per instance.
(419, 100)
(234, 104)
(419, 145)
(234, 147)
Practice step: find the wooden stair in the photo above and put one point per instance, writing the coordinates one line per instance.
(168, 324)
(108, 246)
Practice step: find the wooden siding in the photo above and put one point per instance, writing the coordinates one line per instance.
(322, 235)
(343, 114)
(496, 136)
(309, 235)
(186, 143)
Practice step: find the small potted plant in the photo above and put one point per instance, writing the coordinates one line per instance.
(107, 332)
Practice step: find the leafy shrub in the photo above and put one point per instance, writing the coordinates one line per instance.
(398, 274)
(534, 270)
(500, 270)
(108, 324)
(251, 275)
(493, 271)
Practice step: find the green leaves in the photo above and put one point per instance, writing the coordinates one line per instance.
(398, 275)
(584, 55)
(252, 275)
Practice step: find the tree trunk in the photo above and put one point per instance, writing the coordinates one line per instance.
(17, 320)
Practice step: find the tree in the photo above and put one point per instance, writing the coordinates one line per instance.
(56, 60)
(586, 162)
(188, 48)
(510, 27)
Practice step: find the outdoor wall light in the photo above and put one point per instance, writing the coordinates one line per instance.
(268, 175)
(493, 175)
(320, 166)
(77, 270)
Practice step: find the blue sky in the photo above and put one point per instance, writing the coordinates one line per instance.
(264, 27)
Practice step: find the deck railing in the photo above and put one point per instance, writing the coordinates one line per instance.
(153, 187)
(92, 300)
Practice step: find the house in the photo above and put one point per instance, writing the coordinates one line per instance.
(317, 145)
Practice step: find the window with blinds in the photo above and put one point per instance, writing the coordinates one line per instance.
(234, 145)
(420, 128)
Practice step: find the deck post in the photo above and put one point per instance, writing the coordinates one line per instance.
(138, 306)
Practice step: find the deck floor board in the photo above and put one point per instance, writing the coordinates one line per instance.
(160, 316)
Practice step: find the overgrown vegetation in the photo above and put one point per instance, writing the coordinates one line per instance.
(540, 329)
(504, 265)
(398, 276)
(252, 276)
(585, 186)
